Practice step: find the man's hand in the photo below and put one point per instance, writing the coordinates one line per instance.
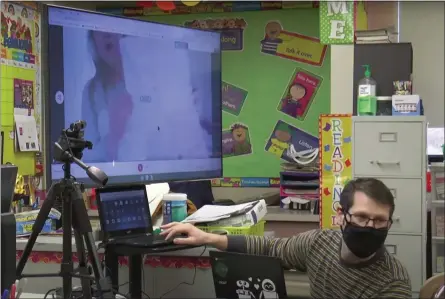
(194, 236)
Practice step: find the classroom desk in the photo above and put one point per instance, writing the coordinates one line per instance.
(41, 296)
(287, 223)
(161, 273)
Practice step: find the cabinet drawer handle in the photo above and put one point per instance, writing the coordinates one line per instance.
(383, 163)
(391, 249)
(387, 162)
(396, 219)
(388, 137)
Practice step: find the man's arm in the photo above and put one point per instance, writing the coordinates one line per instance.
(398, 289)
(292, 251)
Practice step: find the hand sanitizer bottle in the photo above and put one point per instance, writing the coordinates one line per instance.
(366, 98)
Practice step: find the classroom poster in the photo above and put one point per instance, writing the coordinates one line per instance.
(19, 27)
(284, 135)
(20, 85)
(335, 164)
(299, 94)
(292, 45)
(271, 99)
(231, 29)
(233, 98)
(23, 97)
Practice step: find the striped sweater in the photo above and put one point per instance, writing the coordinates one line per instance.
(317, 252)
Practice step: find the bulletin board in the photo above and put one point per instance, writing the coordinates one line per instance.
(276, 83)
(20, 72)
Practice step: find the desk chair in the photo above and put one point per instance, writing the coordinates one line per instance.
(432, 286)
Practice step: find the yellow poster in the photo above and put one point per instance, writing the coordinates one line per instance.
(20, 68)
(292, 45)
(19, 32)
(335, 164)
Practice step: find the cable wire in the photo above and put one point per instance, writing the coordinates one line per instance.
(185, 282)
(49, 292)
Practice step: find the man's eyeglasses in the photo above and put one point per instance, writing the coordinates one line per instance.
(362, 221)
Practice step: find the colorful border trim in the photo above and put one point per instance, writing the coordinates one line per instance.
(48, 257)
(210, 7)
(246, 182)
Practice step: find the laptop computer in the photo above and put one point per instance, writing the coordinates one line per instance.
(9, 176)
(247, 276)
(125, 218)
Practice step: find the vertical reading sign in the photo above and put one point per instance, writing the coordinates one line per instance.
(335, 164)
(337, 20)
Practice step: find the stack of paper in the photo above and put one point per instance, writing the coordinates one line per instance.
(212, 213)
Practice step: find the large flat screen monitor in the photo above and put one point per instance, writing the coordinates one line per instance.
(150, 95)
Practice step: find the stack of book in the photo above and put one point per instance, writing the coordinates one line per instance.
(379, 36)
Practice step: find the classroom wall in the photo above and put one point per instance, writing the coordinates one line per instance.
(422, 24)
(416, 20)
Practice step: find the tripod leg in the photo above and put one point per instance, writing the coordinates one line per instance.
(37, 227)
(83, 226)
(83, 265)
(67, 267)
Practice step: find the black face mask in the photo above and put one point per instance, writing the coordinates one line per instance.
(363, 241)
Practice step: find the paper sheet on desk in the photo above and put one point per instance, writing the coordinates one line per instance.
(155, 193)
(210, 213)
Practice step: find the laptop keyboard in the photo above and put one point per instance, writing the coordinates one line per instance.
(144, 241)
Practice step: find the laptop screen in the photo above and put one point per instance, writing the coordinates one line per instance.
(124, 210)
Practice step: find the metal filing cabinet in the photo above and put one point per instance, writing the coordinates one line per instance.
(393, 149)
(438, 217)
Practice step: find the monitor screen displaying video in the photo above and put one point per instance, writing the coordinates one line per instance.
(150, 95)
(435, 141)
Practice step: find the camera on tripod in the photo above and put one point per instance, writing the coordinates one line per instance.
(68, 150)
(71, 141)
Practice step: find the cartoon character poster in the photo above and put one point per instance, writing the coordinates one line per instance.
(236, 141)
(232, 31)
(233, 98)
(284, 135)
(299, 94)
(291, 45)
(18, 31)
(23, 97)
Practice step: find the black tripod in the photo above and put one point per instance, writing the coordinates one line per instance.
(74, 216)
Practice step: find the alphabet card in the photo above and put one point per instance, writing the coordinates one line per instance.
(337, 22)
(335, 164)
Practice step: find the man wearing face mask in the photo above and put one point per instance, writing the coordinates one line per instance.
(348, 263)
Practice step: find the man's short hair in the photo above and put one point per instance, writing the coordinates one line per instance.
(373, 188)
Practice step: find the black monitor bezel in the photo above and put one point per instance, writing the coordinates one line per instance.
(47, 105)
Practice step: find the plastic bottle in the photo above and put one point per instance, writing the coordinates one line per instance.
(174, 207)
(366, 98)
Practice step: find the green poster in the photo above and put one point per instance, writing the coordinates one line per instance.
(336, 22)
(276, 83)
